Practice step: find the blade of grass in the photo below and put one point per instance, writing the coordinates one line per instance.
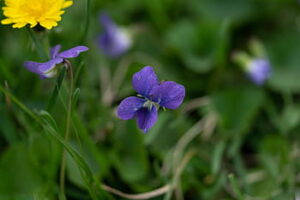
(235, 187)
(20, 104)
(78, 72)
(217, 157)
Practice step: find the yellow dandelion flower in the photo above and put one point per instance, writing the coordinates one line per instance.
(43, 12)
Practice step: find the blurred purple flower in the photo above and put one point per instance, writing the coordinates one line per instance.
(152, 95)
(49, 69)
(259, 70)
(114, 41)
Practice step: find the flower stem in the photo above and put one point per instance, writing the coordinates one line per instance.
(38, 45)
(67, 132)
(87, 20)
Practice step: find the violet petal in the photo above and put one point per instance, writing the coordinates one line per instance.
(72, 53)
(168, 94)
(129, 106)
(144, 80)
(42, 68)
(54, 51)
(146, 118)
(259, 71)
(106, 21)
(33, 66)
(113, 41)
(47, 66)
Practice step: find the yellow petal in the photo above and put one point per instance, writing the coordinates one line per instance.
(45, 12)
(6, 21)
(19, 25)
(33, 24)
(48, 24)
(67, 4)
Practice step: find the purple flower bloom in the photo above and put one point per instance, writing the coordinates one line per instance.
(259, 70)
(49, 69)
(114, 41)
(152, 95)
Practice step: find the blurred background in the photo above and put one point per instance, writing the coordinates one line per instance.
(230, 139)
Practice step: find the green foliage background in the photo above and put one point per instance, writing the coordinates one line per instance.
(232, 139)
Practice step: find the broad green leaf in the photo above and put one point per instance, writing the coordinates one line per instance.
(204, 43)
(130, 160)
(237, 108)
(290, 117)
(215, 9)
(285, 65)
(18, 174)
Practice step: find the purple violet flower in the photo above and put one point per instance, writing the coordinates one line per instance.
(259, 70)
(151, 95)
(48, 69)
(114, 41)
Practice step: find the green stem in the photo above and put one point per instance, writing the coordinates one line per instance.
(87, 20)
(67, 131)
(38, 45)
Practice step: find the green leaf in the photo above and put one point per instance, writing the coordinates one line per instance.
(215, 9)
(290, 117)
(17, 173)
(7, 127)
(237, 108)
(285, 66)
(130, 160)
(157, 12)
(204, 44)
(73, 170)
(85, 171)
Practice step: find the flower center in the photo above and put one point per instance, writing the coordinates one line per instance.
(51, 73)
(149, 104)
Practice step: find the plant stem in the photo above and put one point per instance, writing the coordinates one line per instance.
(67, 131)
(146, 195)
(38, 45)
(87, 20)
